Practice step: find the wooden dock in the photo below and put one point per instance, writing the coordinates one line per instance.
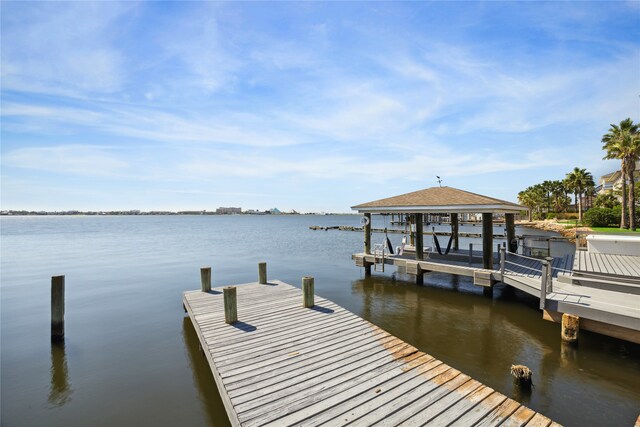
(283, 364)
(603, 290)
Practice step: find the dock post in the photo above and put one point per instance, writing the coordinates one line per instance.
(262, 273)
(205, 279)
(510, 226)
(549, 274)
(419, 246)
(454, 231)
(487, 241)
(230, 304)
(503, 259)
(543, 284)
(307, 292)
(57, 308)
(570, 328)
(470, 253)
(367, 243)
(419, 237)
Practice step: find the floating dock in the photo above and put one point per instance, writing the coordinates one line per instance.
(283, 364)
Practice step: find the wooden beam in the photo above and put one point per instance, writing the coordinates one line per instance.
(510, 226)
(367, 242)
(367, 234)
(487, 240)
(454, 231)
(419, 236)
(57, 308)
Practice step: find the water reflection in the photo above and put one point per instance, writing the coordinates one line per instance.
(202, 377)
(449, 319)
(61, 391)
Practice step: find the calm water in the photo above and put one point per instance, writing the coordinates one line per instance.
(131, 357)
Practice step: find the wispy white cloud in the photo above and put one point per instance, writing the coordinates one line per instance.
(66, 50)
(67, 159)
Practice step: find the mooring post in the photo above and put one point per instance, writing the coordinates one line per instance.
(470, 253)
(487, 241)
(509, 224)
(230, 304)
(503, 258)
(570, 328)
(57, 308)
(307, 292)
(367, 243)
(549, 274)
(262, 273)
(543, 284)
(205, 279)
(454, 232)
(419, 239)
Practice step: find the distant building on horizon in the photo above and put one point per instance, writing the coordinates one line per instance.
(228, 211)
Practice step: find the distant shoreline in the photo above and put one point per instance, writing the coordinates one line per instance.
(155, 213)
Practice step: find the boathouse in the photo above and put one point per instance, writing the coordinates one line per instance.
(443, 200)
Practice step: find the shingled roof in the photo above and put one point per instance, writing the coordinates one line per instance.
(439, 199)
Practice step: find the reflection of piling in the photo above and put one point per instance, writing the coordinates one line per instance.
(521, 375)
(57, 308)
(60, 390)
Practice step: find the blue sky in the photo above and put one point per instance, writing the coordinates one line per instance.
(306, 106)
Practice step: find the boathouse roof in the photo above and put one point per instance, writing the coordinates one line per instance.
(439, 200)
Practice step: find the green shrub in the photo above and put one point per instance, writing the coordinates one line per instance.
(552, 215)
(539, 216)
(601, 217)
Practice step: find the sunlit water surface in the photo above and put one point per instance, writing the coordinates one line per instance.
(131, 357)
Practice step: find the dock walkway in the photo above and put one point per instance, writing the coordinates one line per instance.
(282, 364)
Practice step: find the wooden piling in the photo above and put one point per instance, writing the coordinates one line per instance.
(503, 259)
(307, 292)
(454, 231)
(549, 274)
(367, 242)
(57, 307)
(262, 273)
(521, 375)
(570, 328)
(367, 234)
(230, 304)
(487, 241)
(205, 279)
(470, 253)
(544, 276)
(419, 237)
(510, 226)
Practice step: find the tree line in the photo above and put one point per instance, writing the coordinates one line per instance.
(621, 142)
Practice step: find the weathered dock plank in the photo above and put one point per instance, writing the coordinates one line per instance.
(283, 364)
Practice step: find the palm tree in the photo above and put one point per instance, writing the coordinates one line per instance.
(558, 195)
(621, 142)
(547, 187)
(579, 180)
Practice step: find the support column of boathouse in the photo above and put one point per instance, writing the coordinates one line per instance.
(510, 226)
(367, 242)
(454, 231)
(487, 241)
